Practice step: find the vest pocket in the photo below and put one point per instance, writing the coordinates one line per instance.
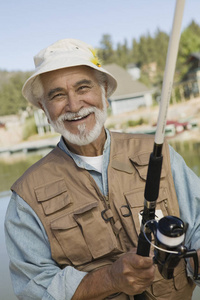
(176, 288)
(180, 276)
(140, 163)
(98, 234)
(68, 235)
(84, 235)
(53, 196)
(162, 287)
(135, 201)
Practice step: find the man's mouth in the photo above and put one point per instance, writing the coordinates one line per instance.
(78, 118)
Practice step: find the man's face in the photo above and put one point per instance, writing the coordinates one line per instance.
(75, 103)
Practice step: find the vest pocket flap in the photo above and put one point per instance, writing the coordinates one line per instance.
(141, 159)
(65, 222)
(55, 204)
(121, 166)
(50, 190)
(162, 287)
(135, 201)
(134, 198)
(141, 163)
(85, 208)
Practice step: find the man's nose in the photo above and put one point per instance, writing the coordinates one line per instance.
(74, 103)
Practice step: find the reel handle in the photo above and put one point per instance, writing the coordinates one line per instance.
(193, 253)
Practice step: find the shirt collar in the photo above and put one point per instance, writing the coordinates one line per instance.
(78, 161)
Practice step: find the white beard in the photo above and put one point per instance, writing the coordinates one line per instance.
(84, 136)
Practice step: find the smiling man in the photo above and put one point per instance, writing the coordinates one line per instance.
(75, 102)
(73, 219)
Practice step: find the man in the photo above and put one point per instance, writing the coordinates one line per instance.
(73, 220)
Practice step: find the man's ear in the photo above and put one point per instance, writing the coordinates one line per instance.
(106, 89)
(107, 103)
(106, 93)
(42, 107)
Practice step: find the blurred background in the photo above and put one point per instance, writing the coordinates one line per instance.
(131, 38)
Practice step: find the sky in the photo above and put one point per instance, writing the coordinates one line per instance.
(27, 26)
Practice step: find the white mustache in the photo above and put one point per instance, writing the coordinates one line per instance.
(83, 112)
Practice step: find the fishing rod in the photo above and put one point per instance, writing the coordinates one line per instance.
(155, 162)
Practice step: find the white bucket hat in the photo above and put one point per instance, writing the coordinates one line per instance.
(64, 54)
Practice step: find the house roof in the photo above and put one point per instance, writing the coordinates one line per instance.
(127, 87)
(195, 55)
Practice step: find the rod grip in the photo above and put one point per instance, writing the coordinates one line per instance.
(140, 297)
(143, 245)
(153, 178)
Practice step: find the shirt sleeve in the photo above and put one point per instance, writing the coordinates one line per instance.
(35, 275)
(187, 185)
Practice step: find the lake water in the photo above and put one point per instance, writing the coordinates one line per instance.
(12, 167)
(6, 291)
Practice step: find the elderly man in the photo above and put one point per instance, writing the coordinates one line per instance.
(73, 219)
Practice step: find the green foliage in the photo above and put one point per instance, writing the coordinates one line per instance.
(189, 43)
(133, 123)
(177, 94)
(13, 167)
(128, 123)
(161, 44)
(29, 128)
(122, 54)
(147, 52)
(11, 99)
(106, 52)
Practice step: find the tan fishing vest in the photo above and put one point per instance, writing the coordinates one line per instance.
(87, 230)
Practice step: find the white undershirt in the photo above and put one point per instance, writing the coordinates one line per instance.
(94, 161)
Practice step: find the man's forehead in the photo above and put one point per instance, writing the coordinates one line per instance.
(65, 78)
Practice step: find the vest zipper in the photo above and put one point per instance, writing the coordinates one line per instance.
(101, 196)
(107, 202)
(166, 205)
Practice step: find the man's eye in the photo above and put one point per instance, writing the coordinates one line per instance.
(57, 95)
(83, 87)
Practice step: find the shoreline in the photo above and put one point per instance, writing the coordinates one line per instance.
(45, 145)
(11, 137)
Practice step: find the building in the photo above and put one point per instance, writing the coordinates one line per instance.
(191, 81)
(134, 71)
(130, 94)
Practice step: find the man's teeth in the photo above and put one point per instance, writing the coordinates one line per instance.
(77, 118)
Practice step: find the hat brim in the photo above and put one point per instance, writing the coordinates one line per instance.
(62, 63)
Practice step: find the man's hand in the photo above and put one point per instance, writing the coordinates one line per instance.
(132, 273)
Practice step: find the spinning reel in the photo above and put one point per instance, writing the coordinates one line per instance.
(169, 249)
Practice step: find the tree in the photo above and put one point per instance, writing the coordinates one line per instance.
(189, 43)
(11, 99)
(143, 53)
(135, 52)
(161, 41)
(123, 54)
(106, 52)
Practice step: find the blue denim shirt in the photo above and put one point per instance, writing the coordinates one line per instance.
(33, 272)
